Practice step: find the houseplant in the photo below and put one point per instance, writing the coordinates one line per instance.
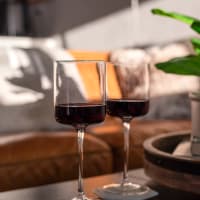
(187, 65)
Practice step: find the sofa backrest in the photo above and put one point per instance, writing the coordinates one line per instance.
(26, 77)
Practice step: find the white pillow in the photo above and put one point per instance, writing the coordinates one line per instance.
(160, 83)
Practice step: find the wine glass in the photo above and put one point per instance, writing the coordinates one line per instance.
(79, 100)
(133, 101)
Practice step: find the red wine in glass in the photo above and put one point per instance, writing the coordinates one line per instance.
(127, 108)
(80, 113)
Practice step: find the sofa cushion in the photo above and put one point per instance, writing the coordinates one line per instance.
(40, 158)
(166, 90)
(162, 84)
(26, 97)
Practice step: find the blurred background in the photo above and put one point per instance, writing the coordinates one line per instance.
(95, 24)
(34, 33)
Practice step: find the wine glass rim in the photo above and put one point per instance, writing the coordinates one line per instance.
(79, 60)
(146, 63)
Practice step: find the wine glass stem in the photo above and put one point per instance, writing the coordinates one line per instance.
(81, 132)
(126, 126)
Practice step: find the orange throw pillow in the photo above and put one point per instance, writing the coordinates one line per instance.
(89, 75)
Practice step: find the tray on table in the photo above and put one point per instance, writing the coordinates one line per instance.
(179, 172)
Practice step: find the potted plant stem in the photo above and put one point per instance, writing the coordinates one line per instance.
(187, 65)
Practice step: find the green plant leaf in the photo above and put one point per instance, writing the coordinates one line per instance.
(189, 65)
(178, 16)
(196, 26)
(196, 45)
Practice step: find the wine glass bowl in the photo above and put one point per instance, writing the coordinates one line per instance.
(133, 101)
(79, 100)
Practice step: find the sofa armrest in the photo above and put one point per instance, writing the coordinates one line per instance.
(31, 159)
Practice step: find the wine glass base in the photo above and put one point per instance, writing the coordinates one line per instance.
(126, 189)
(82, 197)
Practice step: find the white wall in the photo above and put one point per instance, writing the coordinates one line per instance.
(118, 28)
(156, 29)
